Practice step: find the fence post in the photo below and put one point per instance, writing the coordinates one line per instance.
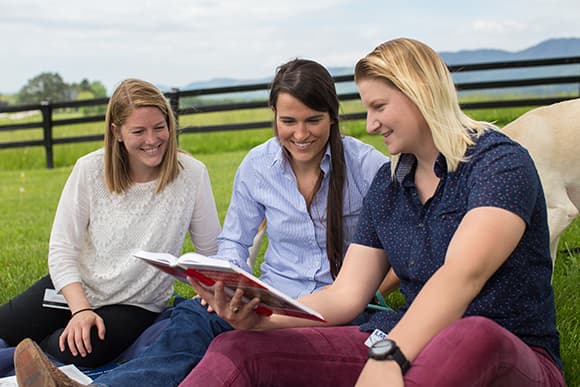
(174, 103)
(46, 109)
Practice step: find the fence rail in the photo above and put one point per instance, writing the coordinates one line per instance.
(175, 96)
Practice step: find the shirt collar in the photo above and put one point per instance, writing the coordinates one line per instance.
(407, 162)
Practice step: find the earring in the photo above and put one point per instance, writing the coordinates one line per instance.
(120, 139)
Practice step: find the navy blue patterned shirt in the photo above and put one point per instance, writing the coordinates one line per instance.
(415, 236)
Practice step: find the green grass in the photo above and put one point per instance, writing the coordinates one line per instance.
(29, 194)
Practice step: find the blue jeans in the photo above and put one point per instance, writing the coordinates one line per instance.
(178, 349)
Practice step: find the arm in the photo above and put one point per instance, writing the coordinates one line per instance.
(484, 240)
(243, 218)
(205, 225)
(363, 269)
(67, 236)
(390, 283)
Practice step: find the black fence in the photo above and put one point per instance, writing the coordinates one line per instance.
(483, 82)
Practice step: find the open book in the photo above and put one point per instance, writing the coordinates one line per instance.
(209, 270)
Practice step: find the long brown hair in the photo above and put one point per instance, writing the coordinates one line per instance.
(312, 84)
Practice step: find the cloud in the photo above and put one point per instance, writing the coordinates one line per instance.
(498, 27)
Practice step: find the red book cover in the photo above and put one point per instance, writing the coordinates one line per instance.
(208, 271)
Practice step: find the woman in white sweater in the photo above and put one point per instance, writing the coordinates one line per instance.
(139, 192)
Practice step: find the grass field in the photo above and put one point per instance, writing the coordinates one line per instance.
(29, 195)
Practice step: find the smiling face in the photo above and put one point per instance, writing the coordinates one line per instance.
(144, 134)
(304, 132)
(391, 114)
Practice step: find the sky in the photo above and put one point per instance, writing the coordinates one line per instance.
(172, 43)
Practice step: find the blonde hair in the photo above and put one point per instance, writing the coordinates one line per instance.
(419, 72)
(128, 96)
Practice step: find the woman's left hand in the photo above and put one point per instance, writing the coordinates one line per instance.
(77, 334)
(237, 312)
(380, 373)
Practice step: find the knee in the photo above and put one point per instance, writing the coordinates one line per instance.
(471, 339)
(468, 347)
(474, 334)
(235, 345)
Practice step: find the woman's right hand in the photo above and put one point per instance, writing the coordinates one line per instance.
(238, 313)
(77, 334)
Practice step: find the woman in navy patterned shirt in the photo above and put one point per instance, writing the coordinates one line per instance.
(460, 216)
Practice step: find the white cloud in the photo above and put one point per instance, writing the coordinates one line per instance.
(498, 27)
(179, 41)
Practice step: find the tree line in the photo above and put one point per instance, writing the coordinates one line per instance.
(51, 86)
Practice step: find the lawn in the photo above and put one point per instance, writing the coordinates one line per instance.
(29, 194)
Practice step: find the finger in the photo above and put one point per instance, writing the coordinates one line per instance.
(79, 343)
(201, 291)
(71, 344)
(221, 300)
(237, 298)
(252, 305)
(101, 328)
(61, 340)
(86, 340)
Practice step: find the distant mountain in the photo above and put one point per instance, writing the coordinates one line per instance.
(552, 48)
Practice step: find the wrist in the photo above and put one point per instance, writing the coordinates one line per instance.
(81, 311)
(387, 350)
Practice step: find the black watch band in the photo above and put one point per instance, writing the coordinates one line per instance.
(388, 350)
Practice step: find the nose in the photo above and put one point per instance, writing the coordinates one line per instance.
(301, 132)
(373, 124)
(150, 136)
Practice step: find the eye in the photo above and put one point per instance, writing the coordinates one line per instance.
(378, 107)
(287, 121)
(160, 128)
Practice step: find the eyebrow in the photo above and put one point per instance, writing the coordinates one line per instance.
(321, 115)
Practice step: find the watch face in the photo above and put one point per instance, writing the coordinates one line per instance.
(387, 350)
(383, 347)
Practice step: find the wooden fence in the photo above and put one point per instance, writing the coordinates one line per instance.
(48, 122)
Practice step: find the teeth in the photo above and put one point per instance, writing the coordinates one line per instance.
(302, 144)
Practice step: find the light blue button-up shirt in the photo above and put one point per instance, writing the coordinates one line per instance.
(295, 261)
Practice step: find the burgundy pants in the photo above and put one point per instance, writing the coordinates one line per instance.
(473, 351)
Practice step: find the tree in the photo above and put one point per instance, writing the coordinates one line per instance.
(45, 86)
(98, 89)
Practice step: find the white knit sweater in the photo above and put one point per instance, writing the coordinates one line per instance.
(95, 232)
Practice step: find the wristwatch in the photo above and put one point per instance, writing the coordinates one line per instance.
(388, 350)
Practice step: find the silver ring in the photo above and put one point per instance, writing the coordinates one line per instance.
(235, 309)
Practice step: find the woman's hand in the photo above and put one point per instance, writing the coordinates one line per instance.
(235, 310)
(203, 303)
(77, 334)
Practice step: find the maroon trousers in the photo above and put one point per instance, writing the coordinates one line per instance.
(473, 351)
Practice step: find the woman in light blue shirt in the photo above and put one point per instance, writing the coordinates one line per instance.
(308, 182)
(267, 186)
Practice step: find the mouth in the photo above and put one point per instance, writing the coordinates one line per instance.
(151, 149)
(387, 133)
(302, 145)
